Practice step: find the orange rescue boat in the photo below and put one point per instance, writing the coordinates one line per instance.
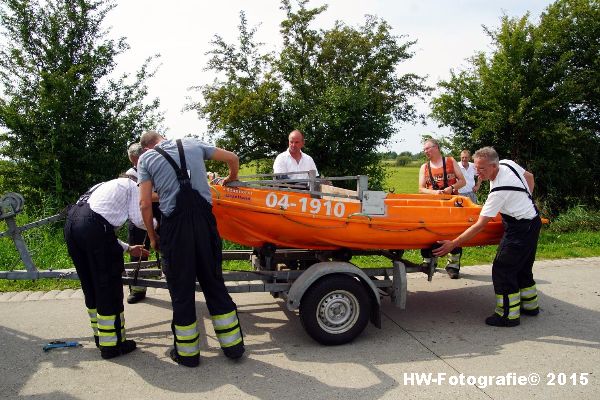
(255, 213)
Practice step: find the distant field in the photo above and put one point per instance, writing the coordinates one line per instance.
(402, 179)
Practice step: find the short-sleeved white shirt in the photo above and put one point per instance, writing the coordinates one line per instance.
(469, 174)
(513, 203)
(117, 201)
(285, 163)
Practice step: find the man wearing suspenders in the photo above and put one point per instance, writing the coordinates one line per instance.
(510, 194)
(98, 257)
(189, 241)
(440, 175)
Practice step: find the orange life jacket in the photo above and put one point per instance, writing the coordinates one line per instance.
(442, 178)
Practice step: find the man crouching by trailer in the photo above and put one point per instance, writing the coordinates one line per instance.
(189, 241)
(98, 257)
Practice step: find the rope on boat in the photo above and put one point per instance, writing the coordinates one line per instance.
(315, 226)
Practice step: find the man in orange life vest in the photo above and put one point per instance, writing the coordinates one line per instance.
(441, 175)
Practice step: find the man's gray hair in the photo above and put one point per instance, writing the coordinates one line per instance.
(489, 154)
(150, 138)
(433, 142)
(135, 150)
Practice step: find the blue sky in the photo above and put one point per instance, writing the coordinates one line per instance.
(447, 32)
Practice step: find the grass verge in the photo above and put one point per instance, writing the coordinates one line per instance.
(552, 245)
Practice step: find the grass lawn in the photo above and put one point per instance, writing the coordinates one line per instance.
(402, 179)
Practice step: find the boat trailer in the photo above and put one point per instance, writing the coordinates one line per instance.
(334, 297)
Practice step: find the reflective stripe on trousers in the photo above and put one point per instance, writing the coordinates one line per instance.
(93, 320)
(508, 305)
(454, 260)
(227, 328)
(187, 340)
(107, 329)
(529, 298)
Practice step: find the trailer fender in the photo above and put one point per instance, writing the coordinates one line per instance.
(319, 270)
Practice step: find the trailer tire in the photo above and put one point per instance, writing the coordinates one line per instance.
(335, 309)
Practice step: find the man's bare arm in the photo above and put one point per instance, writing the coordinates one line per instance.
(146, 209)
(232, 161)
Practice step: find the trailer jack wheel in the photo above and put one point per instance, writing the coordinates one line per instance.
(335, 309)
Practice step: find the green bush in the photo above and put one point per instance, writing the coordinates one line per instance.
(576, 219)
(402, 161)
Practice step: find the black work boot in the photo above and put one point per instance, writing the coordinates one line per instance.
(122, 348)
(135, 297)
(453, 273)
(191, 362)
(532, 313)
(496, 320)
(234, 352)
(453, 266)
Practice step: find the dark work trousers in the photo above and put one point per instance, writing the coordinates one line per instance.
(191, 248)
(137, 236)
(512, 267)
(98, 258)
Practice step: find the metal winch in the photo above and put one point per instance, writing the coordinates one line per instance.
(10, 205)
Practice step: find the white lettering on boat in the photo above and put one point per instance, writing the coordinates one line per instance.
(313, 206)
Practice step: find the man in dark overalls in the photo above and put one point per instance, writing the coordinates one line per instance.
(189, 241)
(510, 194)
(97, 254)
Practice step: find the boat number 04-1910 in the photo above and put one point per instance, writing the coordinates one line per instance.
(312, 206)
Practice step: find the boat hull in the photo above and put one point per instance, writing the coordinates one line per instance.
(255, 217)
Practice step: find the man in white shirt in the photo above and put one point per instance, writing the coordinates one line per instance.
(511, 187)
(468, 170)
(97, 254)
(293, 159)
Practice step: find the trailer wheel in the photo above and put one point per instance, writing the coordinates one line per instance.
(335, 309)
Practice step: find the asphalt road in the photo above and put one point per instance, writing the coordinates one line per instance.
(438, 347)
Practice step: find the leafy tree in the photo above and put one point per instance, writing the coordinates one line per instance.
(389, 155)
(66, 121)
(535, 99)
(569, 33)
(339, 86)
